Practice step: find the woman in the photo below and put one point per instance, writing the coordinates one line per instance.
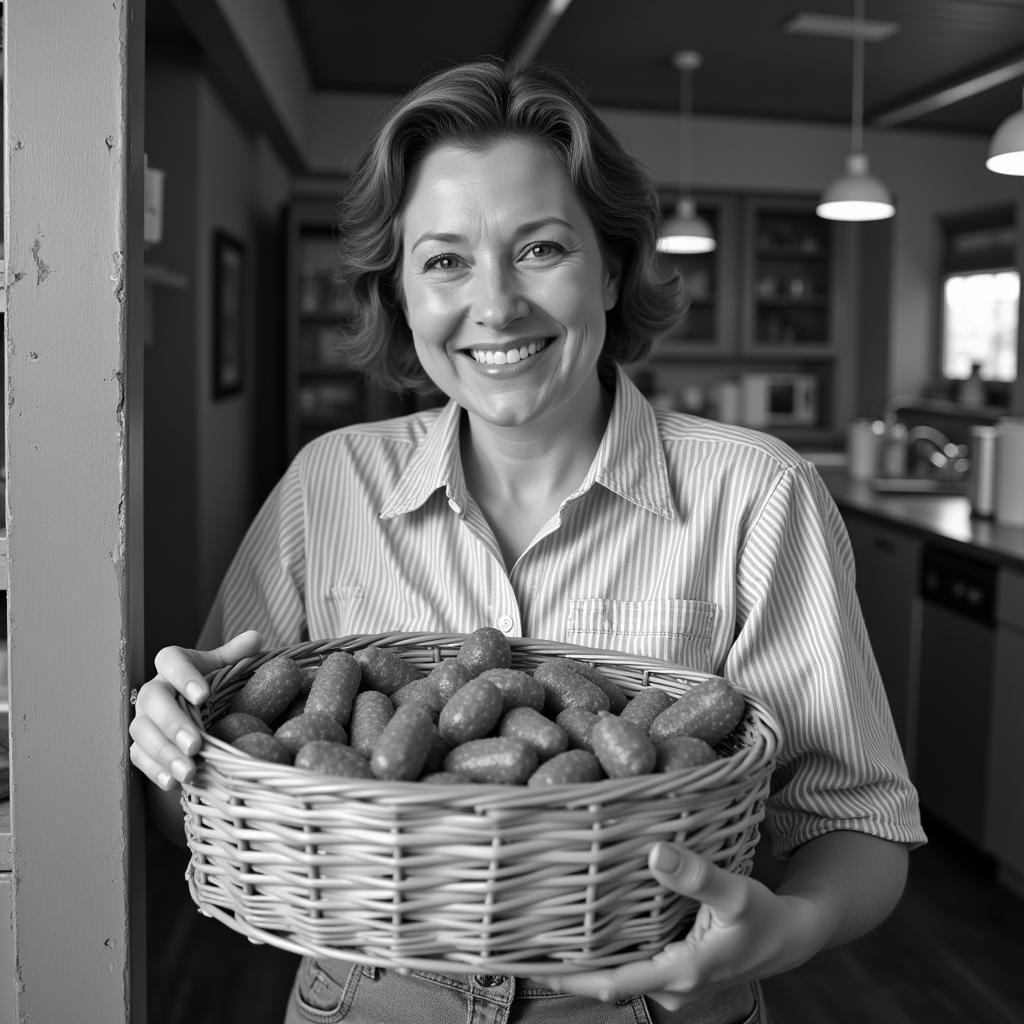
(500, 245)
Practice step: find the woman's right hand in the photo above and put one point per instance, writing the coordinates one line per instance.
(164, 737)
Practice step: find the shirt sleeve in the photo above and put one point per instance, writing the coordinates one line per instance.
(801, 645)
(264, 587)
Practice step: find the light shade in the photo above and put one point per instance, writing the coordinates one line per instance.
(857, 195)
(685, 231)
(1006, 150)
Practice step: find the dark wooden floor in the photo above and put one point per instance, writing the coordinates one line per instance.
(200, 971)
(952, 953)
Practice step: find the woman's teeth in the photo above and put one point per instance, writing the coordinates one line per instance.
(512, 355)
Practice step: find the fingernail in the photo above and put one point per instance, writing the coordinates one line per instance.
(187, 741)
(163, 779)
(181, 768)
(665, 858)
(195, 692)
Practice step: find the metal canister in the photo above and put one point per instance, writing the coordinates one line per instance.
(864, 448)
(981, 484)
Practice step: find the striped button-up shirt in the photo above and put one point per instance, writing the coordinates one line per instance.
(707, 545)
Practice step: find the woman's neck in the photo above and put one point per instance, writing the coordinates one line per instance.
(520, 477)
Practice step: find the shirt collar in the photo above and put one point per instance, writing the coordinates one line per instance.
(435, 463)
(630, 460)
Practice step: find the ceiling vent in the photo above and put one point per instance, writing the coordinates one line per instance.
(839, 27)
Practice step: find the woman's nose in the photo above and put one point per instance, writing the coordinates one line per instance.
(496, 300)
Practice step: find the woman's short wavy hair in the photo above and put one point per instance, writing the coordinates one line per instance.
(473, 105)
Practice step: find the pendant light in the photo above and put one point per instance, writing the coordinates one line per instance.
(858, 194)
(1006, 151)
(685, 231)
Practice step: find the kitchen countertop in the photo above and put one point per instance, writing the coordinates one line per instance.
(946, 517)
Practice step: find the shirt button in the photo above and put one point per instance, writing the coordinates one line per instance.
(506, 623)
(488, 980)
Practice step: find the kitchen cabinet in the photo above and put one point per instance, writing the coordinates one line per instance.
(960, 647)
(1004, 811)
(323, 390)
(710, 283)
(768, 289)
(789, 286)
(957, 592)
(776, 295)
(888, 563)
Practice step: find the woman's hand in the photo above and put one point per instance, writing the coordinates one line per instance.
(743, 931)
(164, 737)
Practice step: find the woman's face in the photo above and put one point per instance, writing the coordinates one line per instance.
(504, 284)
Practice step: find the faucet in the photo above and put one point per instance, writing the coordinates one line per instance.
(946, 460)
(895, 405)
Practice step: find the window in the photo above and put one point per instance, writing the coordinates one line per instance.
(980, 296)
(980, 324)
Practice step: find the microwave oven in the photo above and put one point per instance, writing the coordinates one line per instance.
(779, 399)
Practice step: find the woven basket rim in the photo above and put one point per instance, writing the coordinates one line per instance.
(477, 793)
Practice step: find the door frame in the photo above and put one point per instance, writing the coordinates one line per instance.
(73, 164)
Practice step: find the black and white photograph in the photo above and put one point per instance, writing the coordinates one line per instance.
(513, 512)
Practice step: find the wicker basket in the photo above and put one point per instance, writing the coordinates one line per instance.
(463, 878)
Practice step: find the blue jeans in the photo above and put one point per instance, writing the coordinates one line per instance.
(332, 991)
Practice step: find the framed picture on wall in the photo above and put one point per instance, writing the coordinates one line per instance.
(228, 314)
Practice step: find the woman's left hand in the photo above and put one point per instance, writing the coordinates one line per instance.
(743, 931)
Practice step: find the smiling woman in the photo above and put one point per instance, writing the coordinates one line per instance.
(500, 243)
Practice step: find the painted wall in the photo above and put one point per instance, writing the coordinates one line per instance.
(171, 428)
(204, 455)
(225, 197)
(929, 173)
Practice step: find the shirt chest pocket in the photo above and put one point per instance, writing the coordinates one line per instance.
(668, 628)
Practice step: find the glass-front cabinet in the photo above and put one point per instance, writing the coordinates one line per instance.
(709, 283)
(767, 316)
(789, 278)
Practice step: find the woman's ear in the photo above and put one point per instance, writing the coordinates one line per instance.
(611, 285)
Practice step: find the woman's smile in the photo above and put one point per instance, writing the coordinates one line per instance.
(507, 356)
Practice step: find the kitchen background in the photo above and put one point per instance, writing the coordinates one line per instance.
(255, 122)
(836, 336)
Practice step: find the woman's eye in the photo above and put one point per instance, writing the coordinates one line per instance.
(541, 250)
(444, 261)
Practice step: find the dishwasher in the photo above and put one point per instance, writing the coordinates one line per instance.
(954, 693)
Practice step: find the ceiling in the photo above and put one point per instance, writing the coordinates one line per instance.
(621, 50)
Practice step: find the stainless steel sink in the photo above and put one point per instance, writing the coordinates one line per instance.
(918, 485)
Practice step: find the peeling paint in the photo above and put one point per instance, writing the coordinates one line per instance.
(118, 378)
(42, 269)
(8, 376)
(118, 276)
(119, 557)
